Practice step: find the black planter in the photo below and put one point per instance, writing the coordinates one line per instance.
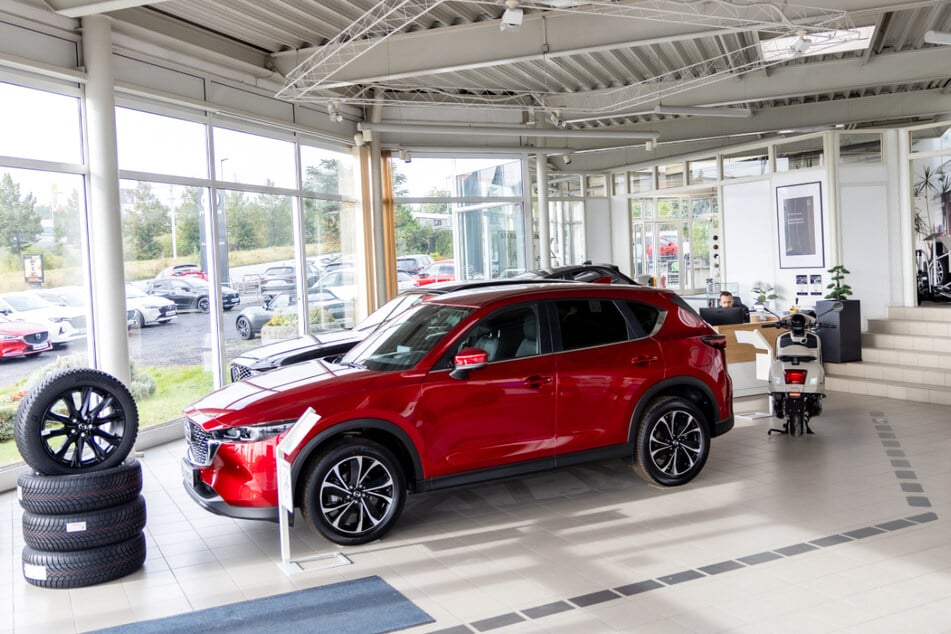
(843, 342)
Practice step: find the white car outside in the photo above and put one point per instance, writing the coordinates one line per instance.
(58, 320)
(149, 309)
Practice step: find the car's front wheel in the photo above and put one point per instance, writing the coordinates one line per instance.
(672, 442)
(203, 304)
(353, 492)
(243, 326)
(139, 319)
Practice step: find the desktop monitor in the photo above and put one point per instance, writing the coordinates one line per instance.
(720, 316)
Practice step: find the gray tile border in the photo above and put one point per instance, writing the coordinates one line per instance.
(458, 629)
(906, 475)
(895, 453)
(901, 463)
(862, 533)
(681, 577)
(723, 566)
(918, 501)
(912, 487)
(887, 435)
(894, 525)
(795, 549)
(891, 443)
(548, 609)
(639, 587)
(923, 517)
(831, 540)
(759, 558)
(594, 598)
(495, 622)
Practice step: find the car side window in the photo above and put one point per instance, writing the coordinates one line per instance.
(590, 322)
(645, 318)
(506, 334)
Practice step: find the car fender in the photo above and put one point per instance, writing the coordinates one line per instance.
(673, 385)
(315, 443)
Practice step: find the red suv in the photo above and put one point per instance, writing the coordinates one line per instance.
(468, 386)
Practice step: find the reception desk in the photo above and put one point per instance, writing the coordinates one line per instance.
(747, 362)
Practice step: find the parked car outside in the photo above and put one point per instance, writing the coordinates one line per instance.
(72, 300)
(284, 278)
(182, 270)
(413, 263)
(57, 320)
(22, 339)
(341, 282)
(463, 387)
(251, 319)
(149, 310)
(314, 346)
(405, 281)
(441, 271)
(190, 293)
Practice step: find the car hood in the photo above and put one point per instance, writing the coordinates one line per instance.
(270, 394)
(296, 344)
(20, 328)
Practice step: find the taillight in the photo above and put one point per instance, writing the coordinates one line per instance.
(715, 341)
(795, 377)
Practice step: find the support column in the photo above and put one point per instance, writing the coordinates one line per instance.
(109, 343)
(544, 226)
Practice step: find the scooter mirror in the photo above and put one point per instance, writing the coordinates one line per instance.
(837, 307)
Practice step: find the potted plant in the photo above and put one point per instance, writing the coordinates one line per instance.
(762, 292)
(281, 326)
(842, 339)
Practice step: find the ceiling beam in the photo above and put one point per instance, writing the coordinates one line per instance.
(81, 8)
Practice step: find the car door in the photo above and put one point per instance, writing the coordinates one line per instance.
(500, 414)
(606, 361)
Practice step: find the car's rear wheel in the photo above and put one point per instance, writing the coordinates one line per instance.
(203, 304)
(139, 319)
(672, 442)
(353, 492)
(243, 326)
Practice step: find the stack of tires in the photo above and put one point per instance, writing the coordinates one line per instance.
(83, 509)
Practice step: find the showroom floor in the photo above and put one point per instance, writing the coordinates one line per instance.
(841, 531)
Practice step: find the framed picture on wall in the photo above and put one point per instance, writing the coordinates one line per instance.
(799, 219)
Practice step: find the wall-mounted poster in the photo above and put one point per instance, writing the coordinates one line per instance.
(802, 285)
(815, 283)
(799, 218)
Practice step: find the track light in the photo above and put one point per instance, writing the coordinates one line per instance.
(649, 145)
(566, 157)
(938, 37)
(801, 44)
(555, 117)
(512, 17)
(405, 156)
(333, 110)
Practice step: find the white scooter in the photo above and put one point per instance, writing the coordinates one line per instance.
(796, 378)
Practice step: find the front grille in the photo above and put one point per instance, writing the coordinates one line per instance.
(239, 372)
(201, 448)
(36, 338)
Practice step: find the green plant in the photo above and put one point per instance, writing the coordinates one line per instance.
(763, 292)
(838, 289)
(282, 319)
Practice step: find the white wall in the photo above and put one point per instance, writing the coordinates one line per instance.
(597, 230)
(748, 244)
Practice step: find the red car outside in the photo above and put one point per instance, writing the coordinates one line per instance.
(22, 339)
(464, 387)
(441, 271)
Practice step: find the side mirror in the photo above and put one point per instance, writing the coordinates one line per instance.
(467, 360)
(837, 307)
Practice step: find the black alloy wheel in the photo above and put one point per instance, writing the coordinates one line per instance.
(673, 442)
(203, 304)
(354, 492)
(243, 326)
(76, 420)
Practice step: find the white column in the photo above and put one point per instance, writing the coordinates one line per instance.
(109, 342)
(544, 228)
(900, 163)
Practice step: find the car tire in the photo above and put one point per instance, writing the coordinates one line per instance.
(80, 568)
(203, 304)
(353, 482)
(80, 531)
(243, 326)
(672, 442)
(81, 492)
(139, 319)
(76, 420)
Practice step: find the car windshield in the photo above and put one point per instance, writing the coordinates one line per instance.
(406, 339)
(27, 302)
(388, 310)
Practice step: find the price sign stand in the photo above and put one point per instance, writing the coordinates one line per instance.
(285, 496)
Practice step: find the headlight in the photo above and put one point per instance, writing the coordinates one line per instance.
(8, 338)
(252, 433)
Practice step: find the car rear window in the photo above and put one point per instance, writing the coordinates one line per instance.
(590, 322)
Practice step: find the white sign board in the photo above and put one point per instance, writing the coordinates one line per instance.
(285, 485)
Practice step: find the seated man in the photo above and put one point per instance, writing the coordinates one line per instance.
(727, 300)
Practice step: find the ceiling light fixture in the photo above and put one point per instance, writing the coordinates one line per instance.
(566, 157)
(333, 111)
(704, 111)
(405, 156)
(556, 120)
(801, 44)
(512, 17)
(649, 145)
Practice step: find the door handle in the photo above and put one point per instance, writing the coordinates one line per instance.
(644, 359)
(536, 381)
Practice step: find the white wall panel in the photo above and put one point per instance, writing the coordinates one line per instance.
(867, 231)
(40, 47)
(749, 236)
(159, 79)
(597, 230)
